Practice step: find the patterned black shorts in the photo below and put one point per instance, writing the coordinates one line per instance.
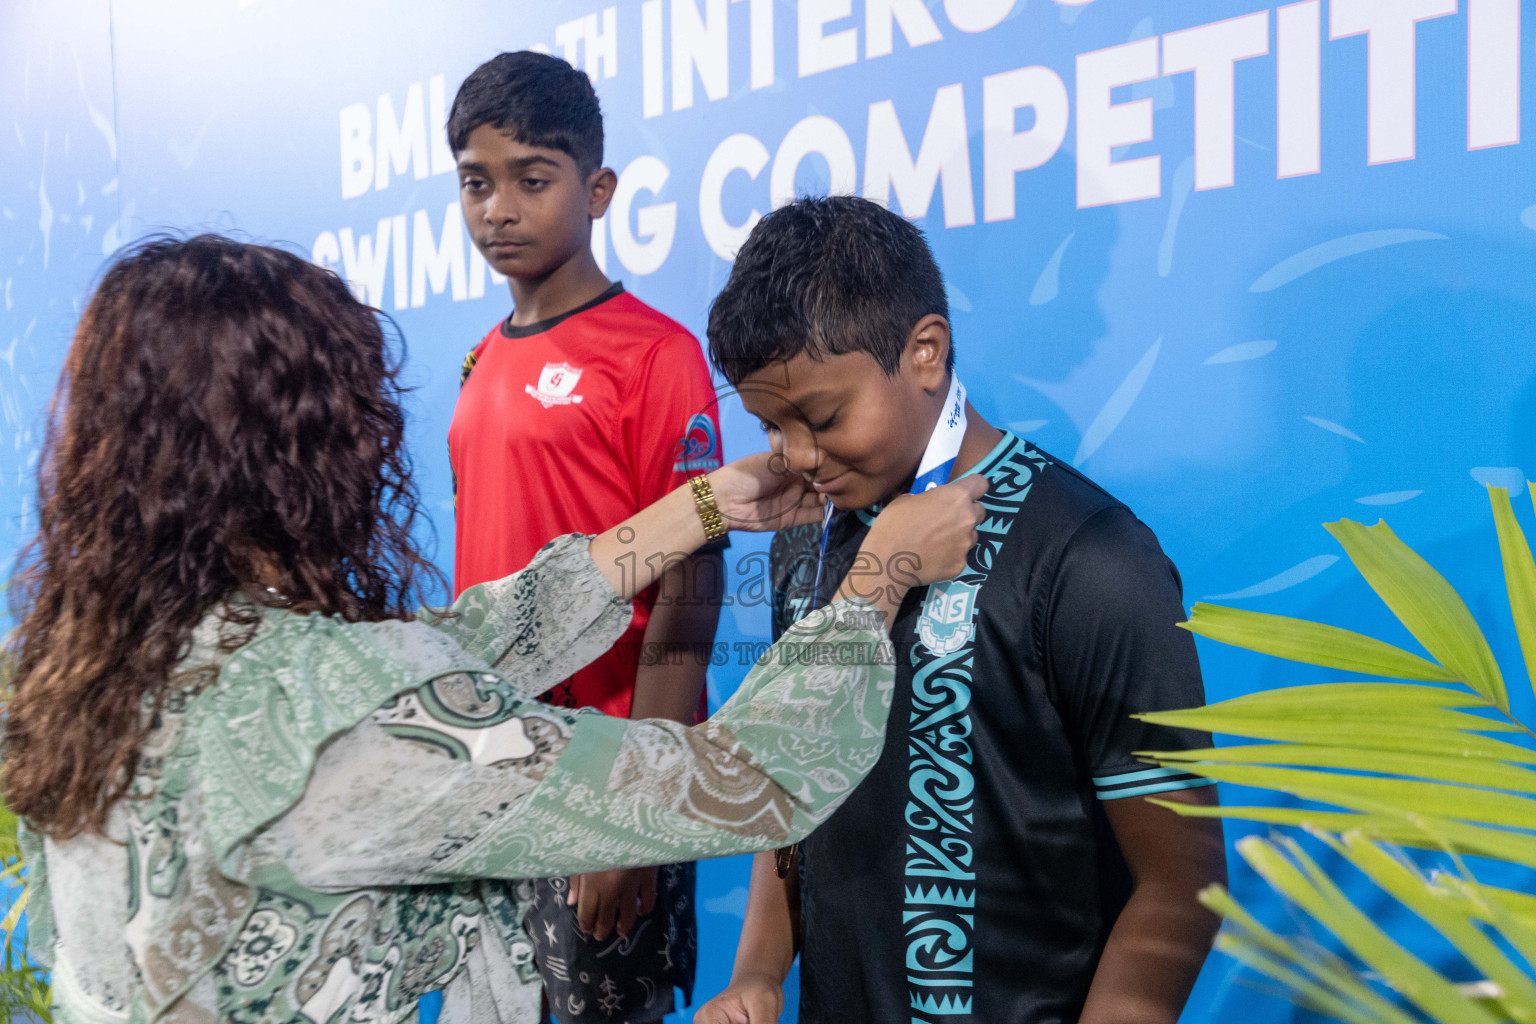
(621, 980)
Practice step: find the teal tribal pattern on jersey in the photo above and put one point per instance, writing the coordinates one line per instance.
(940, 884)
(333, 818)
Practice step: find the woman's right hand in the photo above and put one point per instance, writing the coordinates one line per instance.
(918, 539)
(759, 494)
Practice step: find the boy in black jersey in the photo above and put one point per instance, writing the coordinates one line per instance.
(1001, 862)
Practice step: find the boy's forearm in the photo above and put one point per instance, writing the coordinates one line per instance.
(679, 638)
(768, 940)
(1151, 961)
(1163, 935)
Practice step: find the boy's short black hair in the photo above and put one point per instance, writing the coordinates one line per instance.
(535, 98)
(828, 275)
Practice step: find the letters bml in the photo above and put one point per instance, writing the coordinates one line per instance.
(946, 624)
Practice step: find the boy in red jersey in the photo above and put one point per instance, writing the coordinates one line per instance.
(580, 408)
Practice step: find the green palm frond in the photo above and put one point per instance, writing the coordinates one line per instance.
(1383, 765)
(24, 992)
(23, 985)
(1519, 574)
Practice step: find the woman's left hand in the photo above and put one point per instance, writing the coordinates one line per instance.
(760, 494)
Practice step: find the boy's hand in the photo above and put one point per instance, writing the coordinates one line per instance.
(753, 999)
(759, 493)
(605, 900)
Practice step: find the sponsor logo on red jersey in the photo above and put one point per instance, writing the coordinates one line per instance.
(699, 448)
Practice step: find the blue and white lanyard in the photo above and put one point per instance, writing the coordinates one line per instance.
(934, 469)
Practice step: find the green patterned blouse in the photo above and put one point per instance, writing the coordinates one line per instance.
(332, 819)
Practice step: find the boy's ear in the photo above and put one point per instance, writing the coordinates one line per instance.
(927, 351)
(600, 186)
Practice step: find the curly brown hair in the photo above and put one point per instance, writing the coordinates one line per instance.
(228, 414)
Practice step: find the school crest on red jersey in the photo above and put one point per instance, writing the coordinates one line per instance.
(556, 383)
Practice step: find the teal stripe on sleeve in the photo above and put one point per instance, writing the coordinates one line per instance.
(1189, 782)
(1123, 777)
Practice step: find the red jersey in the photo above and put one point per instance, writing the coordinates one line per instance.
(572, 425)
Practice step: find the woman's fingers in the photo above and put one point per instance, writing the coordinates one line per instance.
(809, 509)
(591, 911)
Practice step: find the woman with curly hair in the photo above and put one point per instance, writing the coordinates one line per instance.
(256, 786)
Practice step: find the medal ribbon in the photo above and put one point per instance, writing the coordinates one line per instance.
(934, 469)
(944, 443)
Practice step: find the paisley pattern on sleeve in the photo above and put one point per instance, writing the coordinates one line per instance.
(539, 627)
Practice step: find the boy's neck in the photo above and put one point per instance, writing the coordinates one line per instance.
(980, 438)
(576, 281)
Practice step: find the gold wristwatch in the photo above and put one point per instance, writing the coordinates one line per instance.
(709, 510)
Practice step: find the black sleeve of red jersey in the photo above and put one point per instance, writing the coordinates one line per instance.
(1114, 649)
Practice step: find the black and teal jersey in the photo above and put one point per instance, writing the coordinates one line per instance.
(972, 877)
